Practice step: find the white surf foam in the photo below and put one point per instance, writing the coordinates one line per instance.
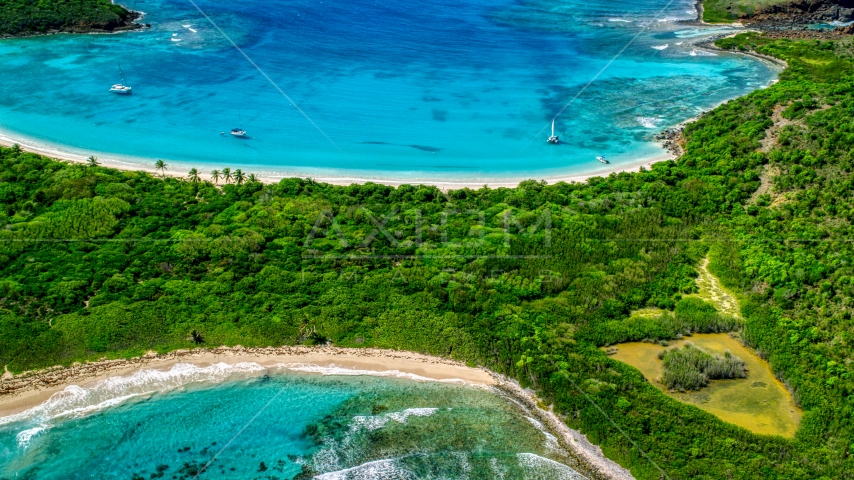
(25, 436)
(498, 471)
(621, 20)
(551, 442)
(537, 467)
(661, 47)
(649, 122)
(703, 32)
(336, 370)
(400, 417)
(387, 469)
(702, 53)
(376, 422)
(336, 453)
(76, 401)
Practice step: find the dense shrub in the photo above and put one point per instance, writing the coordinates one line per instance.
(689, 368)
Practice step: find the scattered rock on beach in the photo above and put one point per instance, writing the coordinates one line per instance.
(671, 139)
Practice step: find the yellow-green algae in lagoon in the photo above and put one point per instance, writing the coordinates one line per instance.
(759, 403)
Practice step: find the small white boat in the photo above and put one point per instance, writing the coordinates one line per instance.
(121, 88)
(602, 159)
(553, 139)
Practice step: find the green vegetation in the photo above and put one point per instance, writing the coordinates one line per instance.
(689, 368)
(728, 11)
(22, 17)
(528, 281)
(691, 315)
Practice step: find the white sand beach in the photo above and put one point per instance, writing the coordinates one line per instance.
(24, 391)
(178, 169)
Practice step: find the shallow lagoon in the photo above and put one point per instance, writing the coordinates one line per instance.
(759, 403)
(447, 91)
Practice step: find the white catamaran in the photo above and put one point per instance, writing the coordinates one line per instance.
(554, 139)
(239, 132)
(121, 88)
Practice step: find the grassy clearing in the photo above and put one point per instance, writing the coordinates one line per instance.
(711, 291)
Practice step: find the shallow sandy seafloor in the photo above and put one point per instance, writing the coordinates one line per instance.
(30, 389)
(760, 403)
(178, 170)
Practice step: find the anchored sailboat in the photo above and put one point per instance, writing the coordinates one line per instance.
(554, 139)
(121, 88)
(239, 132)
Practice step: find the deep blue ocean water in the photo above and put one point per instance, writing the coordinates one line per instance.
(438, 90)
(247, 422)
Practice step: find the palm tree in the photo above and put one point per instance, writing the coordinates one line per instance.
(252, 178)
(226, 174)
(92, 161)
(161, 165)
(215, 176)
(239, 177)
(193, 175)
(196, 337)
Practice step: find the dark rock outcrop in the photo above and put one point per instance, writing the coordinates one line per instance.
(797, 14)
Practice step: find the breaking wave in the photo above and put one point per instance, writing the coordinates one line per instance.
(649, 122)
(336, 370)
(75, 400)
(377, 470)
(537, 467)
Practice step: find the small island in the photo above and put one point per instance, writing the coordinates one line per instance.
(20, 18)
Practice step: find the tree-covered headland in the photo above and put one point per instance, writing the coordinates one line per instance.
(527, 281)
(27, 17)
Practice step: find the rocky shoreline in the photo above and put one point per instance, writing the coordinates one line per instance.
(795, 18)
(672, 139)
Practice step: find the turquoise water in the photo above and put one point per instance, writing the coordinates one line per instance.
(439, 91)
(246, 422)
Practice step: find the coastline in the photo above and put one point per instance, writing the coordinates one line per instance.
(130, 24)
(29, 389)
(344, 179)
